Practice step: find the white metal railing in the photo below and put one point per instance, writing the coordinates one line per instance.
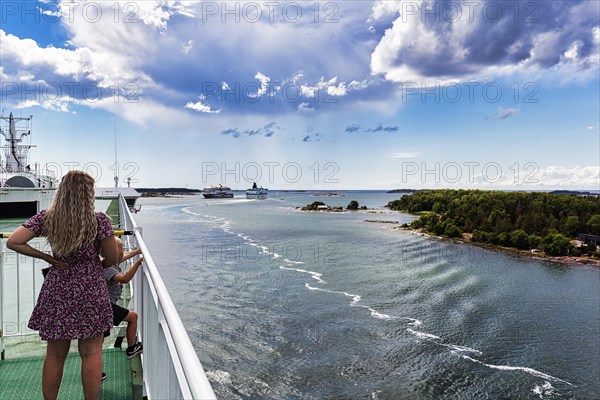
(171, 367)
(20, 282)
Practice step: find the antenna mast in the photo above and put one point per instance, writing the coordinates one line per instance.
(116, 163)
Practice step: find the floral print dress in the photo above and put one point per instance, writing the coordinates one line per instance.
(73, 302)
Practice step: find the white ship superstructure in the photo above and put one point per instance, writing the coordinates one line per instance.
(24, 190)
(256, 192)
(217, 192)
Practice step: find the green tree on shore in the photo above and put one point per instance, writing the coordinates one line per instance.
(556, 244)
(593, 224)
(514, 219)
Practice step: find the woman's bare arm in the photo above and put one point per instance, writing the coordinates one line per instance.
(18, 242)
(110, 251)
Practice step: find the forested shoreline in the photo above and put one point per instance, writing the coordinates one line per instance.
(522, 220)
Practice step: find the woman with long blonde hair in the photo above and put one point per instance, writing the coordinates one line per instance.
(73, 301)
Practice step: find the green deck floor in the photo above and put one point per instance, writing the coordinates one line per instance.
(21, 378)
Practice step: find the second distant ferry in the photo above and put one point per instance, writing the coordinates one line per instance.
(217, 192)
(256, 192)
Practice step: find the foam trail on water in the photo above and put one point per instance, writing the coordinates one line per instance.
(377, 314)
(355, 299)
(188, 211)
(454, 347)
(246, 238)
(225, 226)
(458, 348)
(415, 322)
(222, 377)
(528, 370)
(422, 335)
(314, 275)
(287, 260)
(542, 390)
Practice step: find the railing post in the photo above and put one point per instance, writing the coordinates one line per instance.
(138, 291)
(18, 303)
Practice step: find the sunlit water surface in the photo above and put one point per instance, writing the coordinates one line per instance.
(284, 304)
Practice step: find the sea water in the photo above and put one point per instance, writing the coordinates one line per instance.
(285, 304)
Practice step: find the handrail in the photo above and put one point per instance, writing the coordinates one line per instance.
(1, 300)
(195, 381)
(6, 235)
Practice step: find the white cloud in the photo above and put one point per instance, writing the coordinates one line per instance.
(305, 108)
(471, 47)
(50, 13)
(25, 55)
(413, 154)
(329, 87)
(587, 177)
(58, 105)
(26, 77)
(201, 106)
(454, 175)
(188, 46)
(141, 43)
(155, 14)
(503, 113)
(264, 84)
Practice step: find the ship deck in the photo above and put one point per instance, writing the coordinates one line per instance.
(23, 357)
(21, 375)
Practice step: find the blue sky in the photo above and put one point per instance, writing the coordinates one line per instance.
(313, 95)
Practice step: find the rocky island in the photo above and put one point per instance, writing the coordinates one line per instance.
(167, 192)
(320, 206)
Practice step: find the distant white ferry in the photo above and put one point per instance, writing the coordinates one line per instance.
(257, 192)
(217, 192)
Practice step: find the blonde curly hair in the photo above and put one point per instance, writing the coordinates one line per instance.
(70, 221)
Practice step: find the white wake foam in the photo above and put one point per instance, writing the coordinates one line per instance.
(528, 370)
(188, 211)
(415, 322)
(377, 314)
(543, 390)
(287, 260)
(314, 275)
(225, 226)
(437, 340)
(222, 377)
(461, 349)
(422, 335)
(355, 299)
